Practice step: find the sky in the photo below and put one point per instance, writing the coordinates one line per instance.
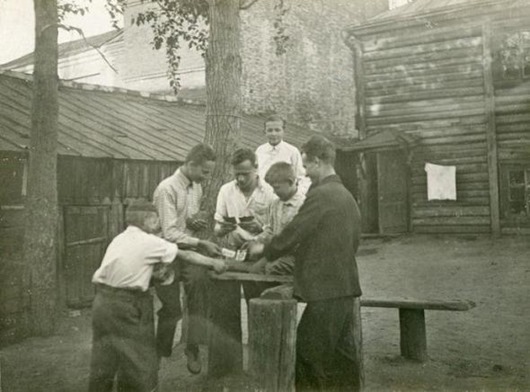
(17, 25)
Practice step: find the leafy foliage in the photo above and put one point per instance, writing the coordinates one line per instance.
(65, 7)
(174, 22)
(280, 37)
(185, 22)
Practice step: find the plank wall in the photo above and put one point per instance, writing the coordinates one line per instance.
(429, 82)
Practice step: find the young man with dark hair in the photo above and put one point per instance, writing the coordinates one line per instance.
(177, 199)
(277, 150)
(122, 313)
(324, 236)
(243, 202)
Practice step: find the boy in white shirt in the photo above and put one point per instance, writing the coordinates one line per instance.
(122, 313)
(278, 150)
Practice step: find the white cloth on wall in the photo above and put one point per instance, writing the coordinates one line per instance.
(441, 182)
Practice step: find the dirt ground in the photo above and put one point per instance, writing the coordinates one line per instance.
(484, 349)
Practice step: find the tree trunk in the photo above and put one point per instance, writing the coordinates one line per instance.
(223, 90)
(41, 204)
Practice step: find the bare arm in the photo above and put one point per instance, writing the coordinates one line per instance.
(195, 258)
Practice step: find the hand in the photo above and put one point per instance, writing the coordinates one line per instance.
(163, 274)
(219, 266)
(224, 228)
(209, 248)
(255, 249)
(258, 267)
(252, 227)
(196, 223)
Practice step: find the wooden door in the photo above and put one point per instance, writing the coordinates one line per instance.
(393, 201)
(86, 234)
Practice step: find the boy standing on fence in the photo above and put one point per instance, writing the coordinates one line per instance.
(122, 313)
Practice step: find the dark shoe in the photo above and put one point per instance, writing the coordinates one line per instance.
(194, 361)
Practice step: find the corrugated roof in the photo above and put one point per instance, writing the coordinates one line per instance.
(420, 9)
(70, 48)
(104, 122)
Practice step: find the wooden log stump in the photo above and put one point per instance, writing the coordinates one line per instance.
(413, 338)
(272, 343)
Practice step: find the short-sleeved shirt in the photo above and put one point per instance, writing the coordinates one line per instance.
(268, 155)
(128, 261)
(231, 202)
(177, 198)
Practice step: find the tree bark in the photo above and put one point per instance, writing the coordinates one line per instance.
(223, 90)
(41, 204)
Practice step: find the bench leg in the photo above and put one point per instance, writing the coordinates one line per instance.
(413, 337)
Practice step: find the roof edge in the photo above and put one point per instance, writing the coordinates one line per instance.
(105, 89)
(416, 18)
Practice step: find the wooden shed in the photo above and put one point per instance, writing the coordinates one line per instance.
(445, 82)
(114, 146)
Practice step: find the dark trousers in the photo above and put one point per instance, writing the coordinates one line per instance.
(196, 318)
(195, 326)
(123, 342)
(325, 348)
(168, 316)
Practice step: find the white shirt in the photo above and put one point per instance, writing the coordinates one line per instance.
(128, 261)
(231, 202)
(268, 155)
(177, 198)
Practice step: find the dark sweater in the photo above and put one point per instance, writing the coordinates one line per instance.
(324, 236)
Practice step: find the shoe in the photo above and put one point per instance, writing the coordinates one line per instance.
(193, 362)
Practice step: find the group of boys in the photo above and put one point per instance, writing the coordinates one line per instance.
(264, 210)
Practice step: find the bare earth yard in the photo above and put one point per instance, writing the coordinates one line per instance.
(484, 349)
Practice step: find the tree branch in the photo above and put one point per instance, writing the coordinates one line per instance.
(80, 32)
(243, 6)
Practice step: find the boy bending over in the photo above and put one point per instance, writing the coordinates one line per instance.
(122, 313)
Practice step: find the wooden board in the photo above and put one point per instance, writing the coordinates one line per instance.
(246, 277)
(457, 305)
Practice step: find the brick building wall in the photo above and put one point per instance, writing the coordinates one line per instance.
(312, 83)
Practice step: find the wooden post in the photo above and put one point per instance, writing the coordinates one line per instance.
(358, 343)
(491, 132)
(272, 343)
(413, 338)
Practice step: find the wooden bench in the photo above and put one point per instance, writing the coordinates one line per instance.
(272, 325)
(413, 333)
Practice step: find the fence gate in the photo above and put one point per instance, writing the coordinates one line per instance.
(86, 236)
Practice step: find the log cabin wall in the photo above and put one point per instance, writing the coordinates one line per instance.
(431, 85)
(432, 78)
